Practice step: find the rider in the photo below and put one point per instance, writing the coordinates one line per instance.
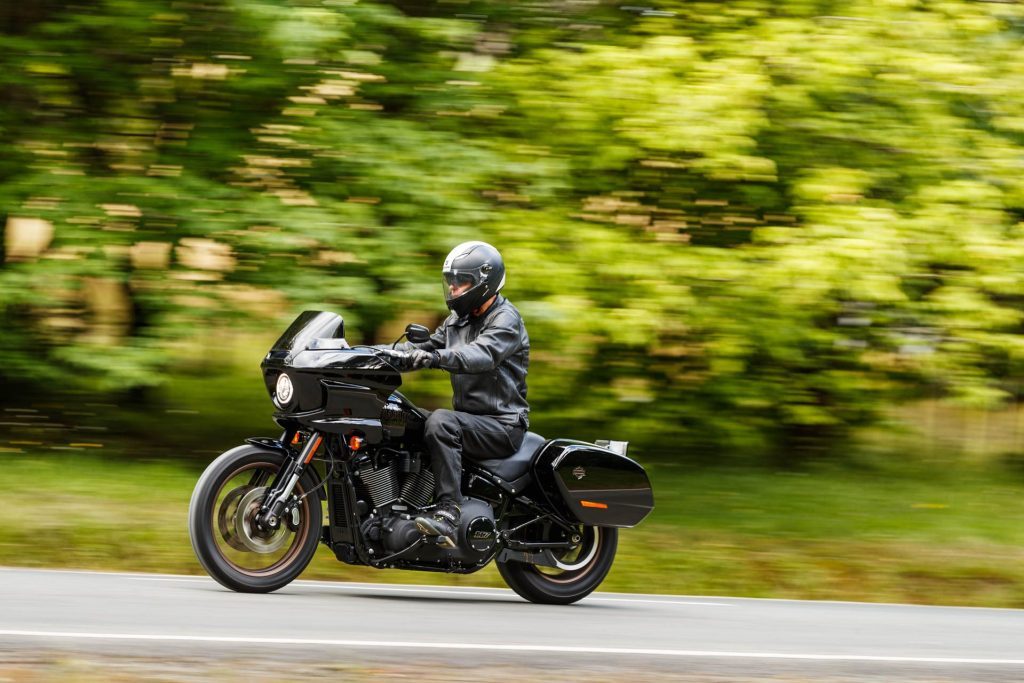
(484, 346)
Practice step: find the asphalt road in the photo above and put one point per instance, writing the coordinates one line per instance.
(470, 631)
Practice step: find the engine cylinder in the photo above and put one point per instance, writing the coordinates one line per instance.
(418, 487)
(378, 485)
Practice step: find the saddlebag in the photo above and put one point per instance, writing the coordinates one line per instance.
(592, 485)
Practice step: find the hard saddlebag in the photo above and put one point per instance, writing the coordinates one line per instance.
(593, 485)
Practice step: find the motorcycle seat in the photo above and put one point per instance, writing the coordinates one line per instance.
(518, 464)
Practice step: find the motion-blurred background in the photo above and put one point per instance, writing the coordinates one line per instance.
(777, 246)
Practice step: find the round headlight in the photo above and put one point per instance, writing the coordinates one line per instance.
(284, 391)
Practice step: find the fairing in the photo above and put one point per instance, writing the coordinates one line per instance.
(336, 390)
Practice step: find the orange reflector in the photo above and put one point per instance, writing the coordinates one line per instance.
(592, 504)
(312, 450)
(355, 442)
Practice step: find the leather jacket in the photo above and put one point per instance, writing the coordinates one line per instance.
(487, 357)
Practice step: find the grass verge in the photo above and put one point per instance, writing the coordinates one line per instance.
(940, 537)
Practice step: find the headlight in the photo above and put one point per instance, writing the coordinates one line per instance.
(283, 391)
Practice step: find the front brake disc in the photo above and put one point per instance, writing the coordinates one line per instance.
(251, 536)
(226, 512)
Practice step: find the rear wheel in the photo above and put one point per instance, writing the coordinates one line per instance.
(576, 574)
(225, 537)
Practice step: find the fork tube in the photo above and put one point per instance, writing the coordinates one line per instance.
(277, 499)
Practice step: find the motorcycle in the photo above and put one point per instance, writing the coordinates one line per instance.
(548, 515)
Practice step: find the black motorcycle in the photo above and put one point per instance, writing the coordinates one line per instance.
(548, 515)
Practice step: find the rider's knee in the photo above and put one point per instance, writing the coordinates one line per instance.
(440, 422)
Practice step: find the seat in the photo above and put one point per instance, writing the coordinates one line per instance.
(518, 464)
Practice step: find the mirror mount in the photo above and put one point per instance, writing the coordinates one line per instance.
(417, 334)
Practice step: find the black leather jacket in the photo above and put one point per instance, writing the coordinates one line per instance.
(487, 357)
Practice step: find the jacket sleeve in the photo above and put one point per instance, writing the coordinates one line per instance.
(496, 343)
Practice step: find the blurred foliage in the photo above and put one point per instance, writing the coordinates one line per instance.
(732, 228)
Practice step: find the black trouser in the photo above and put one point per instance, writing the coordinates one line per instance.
(449, 435)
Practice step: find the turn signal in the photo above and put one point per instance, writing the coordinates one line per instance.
(592, 504)
(355, 443)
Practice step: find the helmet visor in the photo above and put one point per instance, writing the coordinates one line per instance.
(457, 283)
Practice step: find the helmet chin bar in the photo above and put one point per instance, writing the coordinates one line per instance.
(469, 301)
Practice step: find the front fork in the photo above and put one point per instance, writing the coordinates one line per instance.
(276, 502)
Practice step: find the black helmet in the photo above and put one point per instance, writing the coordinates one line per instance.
(477, 264)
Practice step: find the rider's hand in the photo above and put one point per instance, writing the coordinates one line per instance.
(413, 360)
(422, 359)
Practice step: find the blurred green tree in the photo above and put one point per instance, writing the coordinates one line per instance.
(732, 228)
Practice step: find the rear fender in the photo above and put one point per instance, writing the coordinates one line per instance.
(593, 485)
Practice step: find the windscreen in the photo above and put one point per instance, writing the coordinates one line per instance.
(308, 326)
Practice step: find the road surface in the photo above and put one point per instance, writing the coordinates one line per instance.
(490, 634)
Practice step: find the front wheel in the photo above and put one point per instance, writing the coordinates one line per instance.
(221, 523)
(577, 573)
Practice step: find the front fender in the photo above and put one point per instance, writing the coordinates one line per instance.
(269, 444)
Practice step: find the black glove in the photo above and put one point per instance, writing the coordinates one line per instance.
(414, 360)
(423, 359)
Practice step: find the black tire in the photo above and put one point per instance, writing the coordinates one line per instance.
(211, 522)
(553, 586)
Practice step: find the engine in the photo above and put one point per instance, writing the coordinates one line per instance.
(400, 478)
(476, 535)
(396, 486)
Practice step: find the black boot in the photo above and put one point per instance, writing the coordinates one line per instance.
(444, 524)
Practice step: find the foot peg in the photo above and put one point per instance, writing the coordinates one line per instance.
(433, 536)
(442, 541)
(443, 525)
